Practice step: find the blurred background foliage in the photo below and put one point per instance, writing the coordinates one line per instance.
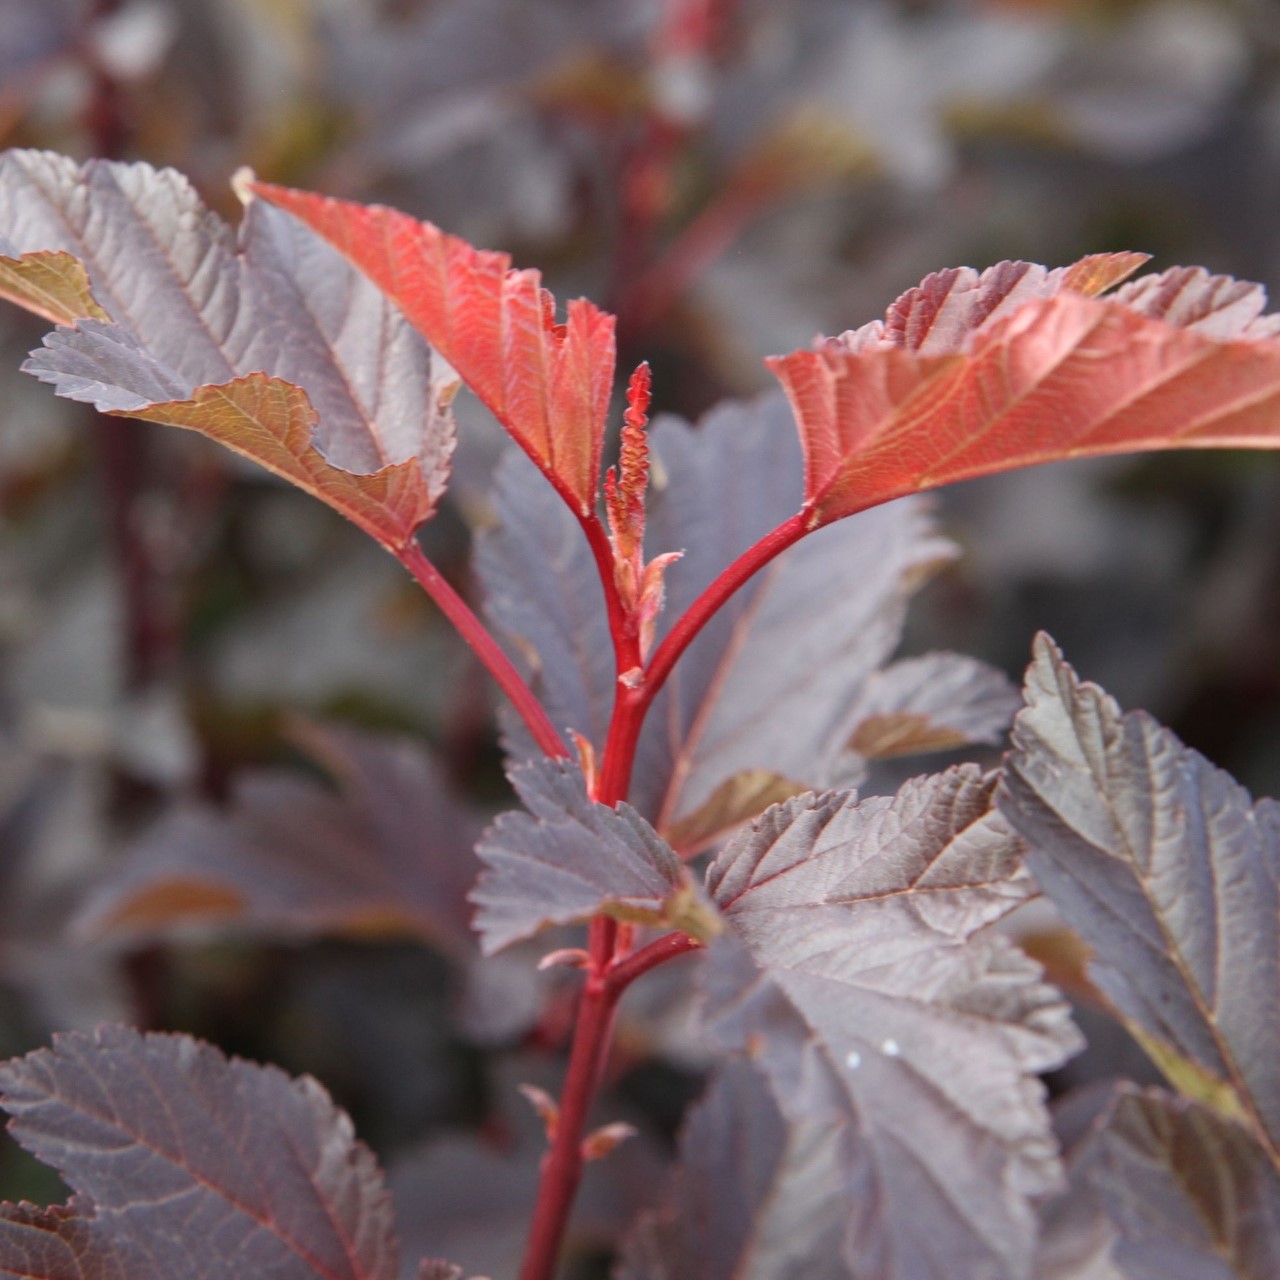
(731, 177)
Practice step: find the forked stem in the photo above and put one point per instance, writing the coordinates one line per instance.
(610, 969)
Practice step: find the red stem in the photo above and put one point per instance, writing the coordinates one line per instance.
(626, 639)
(622, 973)
(631, 704)
(611, 970)
(562, 1165)
(714, 598)
(486, 648)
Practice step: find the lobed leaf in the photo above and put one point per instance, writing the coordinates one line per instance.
(542, 591)
(1171, 1190)
(269, 343)
(569, 858)
(1168, 870)
(387, 854)
(548, 383)
(188, 1166)
(856, 971)
(52, 285)
(940, 314)
(972, 375)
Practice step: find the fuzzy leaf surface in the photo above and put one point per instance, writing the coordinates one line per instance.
(270, 342)
(566, 858)
(1167, 869)
(749, 1197)
(548, 383)
(188, 1166)
(1184, 1193)
(856, 970)
(972, 375)
(387, 853)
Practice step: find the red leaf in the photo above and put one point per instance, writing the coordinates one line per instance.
(1181, 360)
(547, 383)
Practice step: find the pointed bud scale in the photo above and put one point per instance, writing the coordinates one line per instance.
(564, 958)
(587, 760)
(607, 1138)
(545, 1106)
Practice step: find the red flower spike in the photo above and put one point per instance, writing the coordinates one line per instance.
(625, 485)
(639, 584)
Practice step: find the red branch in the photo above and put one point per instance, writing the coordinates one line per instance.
(562, 1165)
(714, 598)
(623, 972)
(611, 970)
(486, 648)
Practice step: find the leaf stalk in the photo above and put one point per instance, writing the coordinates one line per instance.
(486, 648)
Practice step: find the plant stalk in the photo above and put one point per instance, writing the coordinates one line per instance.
(486, 648)
(624, 971)
(714, 598)
(562, 1165)
(611, 970)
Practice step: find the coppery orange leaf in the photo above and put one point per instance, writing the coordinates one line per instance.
(947, 388)
(547, 383)
(53, 285)
(271, 422)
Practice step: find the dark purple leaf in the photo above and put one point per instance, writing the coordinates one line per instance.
(1168, 870)
(1075, 1233)
(1175, 1192)
(56, 1244)
(568, 858)
(750, 1198)
(387, 853)
(189, 1166)
(932, 703)
(543, 591)
(857, 970)
(193, 309)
